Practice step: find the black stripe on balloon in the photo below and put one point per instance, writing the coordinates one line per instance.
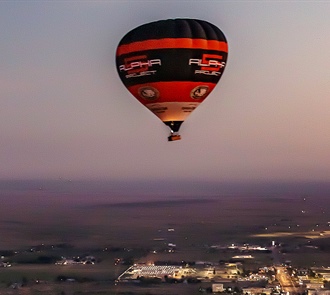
(174, 28)
(168, 65)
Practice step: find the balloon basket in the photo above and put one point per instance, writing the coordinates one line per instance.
(174, 137)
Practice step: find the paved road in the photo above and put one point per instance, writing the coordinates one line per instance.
(285, 280)
(282, 275)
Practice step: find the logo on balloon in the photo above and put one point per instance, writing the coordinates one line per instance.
(189, 108)
(148, 93)
(138, 66)
(157, 109)
(210, 64)
(199, 92)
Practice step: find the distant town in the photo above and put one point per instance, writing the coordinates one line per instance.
(249, 270)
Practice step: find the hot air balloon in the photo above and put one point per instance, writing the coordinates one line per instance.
(171, 66)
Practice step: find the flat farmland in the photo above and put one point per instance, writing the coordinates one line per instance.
(195, 222)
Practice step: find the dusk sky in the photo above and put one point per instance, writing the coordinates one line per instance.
(65, 113)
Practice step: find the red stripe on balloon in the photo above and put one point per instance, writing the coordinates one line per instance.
(172, 43)
(177, 91)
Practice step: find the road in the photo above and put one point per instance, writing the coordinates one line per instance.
(285, 280)
(282, 274)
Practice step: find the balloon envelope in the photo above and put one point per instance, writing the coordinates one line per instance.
(172, 65)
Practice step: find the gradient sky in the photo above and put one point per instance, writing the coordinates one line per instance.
(65, 113)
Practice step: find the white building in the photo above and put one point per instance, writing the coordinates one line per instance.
(256, 291)
(217, 288)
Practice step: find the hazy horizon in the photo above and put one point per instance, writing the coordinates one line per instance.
(121, 190)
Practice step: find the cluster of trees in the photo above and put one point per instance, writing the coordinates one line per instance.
(41, 259)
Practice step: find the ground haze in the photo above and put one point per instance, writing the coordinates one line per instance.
(96, 214)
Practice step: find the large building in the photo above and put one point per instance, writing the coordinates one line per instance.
(151, 271)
